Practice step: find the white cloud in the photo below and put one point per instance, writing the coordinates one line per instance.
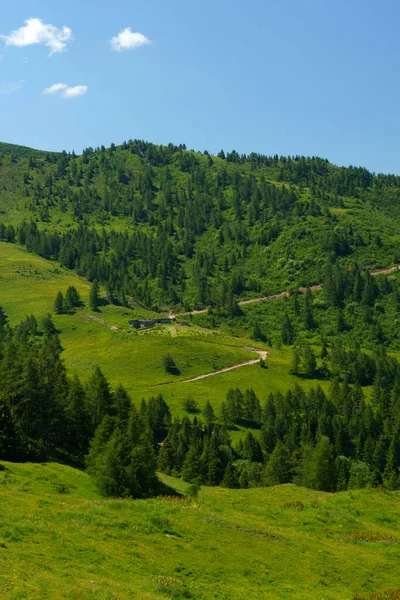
(67, 91)
(128, 40)
(73, 92)
(36, 32)
(56, 87)
(14, 86)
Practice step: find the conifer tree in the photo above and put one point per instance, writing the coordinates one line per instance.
(230, 479)
(78, 419)
(309, 361)
(208, 414)
(94, 299)
(287, 331)
(166, 457)
(3, 321)
(318, 469)
(252, 449)
(191, 468)
(59, 303)
(295, 367)
(279, 467)
(99, 398)
(308, 318)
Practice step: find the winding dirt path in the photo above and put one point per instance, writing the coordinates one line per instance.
(98, 320)
(301, 290)
(262, 354)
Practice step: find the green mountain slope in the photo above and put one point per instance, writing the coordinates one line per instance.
(171, 227)
(59, 539)
(162, 230)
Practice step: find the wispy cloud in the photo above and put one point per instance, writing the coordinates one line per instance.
(14, 86)
(66, 90)
(36, 32)
(128, 40)
(56, 87)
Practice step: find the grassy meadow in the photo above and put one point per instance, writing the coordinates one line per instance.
(60, 539)
(29, 284)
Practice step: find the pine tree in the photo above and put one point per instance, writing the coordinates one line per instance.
(252, 449)
(78, 420)
(123, 406)
(208, 414)
(48, 326)
(94, 299)
(287, 331)
(99, 398)
(10, 443)
(224, 414)
(279, 467)
(308, 318)
(3, 321)
(166, 458)
(59, 304)
(230, 479)
(295, 367)
(191, 469)
(318, 469)
(309, 361)
(251, 407)
(158, 418)
(234, 405)
(342, 466)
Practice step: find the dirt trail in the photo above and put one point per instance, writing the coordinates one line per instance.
(301, 290)
(98, 320)
(262, 354)
(385, 271)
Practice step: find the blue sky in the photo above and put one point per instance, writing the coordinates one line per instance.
(288, 77)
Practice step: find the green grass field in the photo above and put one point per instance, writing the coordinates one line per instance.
(60, 539)
(29, 285)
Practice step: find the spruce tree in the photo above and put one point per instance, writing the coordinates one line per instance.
(78, 419)
(99, 398)
(191, 469)
(252, 449)
(318, 470)
(308, 318)
(309, 362)
(230, 479)
(279, 467)
(287, 331)
(3, 321)
(296, 359)
(59, 303)
(94, 299)
(208, 414)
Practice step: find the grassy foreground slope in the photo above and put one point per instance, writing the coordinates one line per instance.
(60, 539)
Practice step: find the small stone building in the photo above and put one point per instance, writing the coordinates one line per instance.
(136, 324)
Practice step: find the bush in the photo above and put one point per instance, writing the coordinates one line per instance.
(191, 406)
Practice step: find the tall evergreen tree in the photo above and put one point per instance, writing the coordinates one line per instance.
(94, 300)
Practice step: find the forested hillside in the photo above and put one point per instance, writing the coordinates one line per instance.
(165, 228)
(171, 227)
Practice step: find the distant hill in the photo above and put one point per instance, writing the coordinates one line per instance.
(175, 228)
(18, 151)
